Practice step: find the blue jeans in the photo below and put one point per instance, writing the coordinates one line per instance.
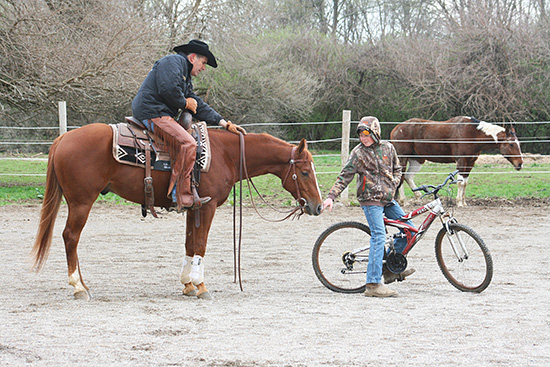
(375, 219)
(149, 125)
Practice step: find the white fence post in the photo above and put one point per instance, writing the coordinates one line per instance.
(344, 155)
(62, 117)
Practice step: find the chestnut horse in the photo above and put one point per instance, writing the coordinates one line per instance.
(81, 165)
(460, 139)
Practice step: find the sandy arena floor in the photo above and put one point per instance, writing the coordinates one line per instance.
(284, 317)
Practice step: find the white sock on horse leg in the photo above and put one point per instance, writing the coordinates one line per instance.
(76, 282)
(186, 269)
(412, 170)
(197, 271)
(460, 195)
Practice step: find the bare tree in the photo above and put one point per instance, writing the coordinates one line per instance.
(92, 57)
(260, 80)
(282, 60)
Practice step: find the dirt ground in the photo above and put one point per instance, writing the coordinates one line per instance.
(285, 316)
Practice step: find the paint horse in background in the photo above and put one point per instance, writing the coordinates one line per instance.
(460, 139)
(81, 166)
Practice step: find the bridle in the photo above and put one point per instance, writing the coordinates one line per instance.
(292, 168)
(298, 210)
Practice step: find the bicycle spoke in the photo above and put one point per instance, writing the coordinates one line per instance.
(464, 259)
(340, 257)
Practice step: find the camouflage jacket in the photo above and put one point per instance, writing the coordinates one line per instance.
(379, 173)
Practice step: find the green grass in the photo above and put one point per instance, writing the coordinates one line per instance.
(507, 183)
(483, 183)
(23, 181)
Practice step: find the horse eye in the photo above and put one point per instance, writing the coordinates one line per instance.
(305, 173)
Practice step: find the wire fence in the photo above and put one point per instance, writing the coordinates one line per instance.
(347, 137)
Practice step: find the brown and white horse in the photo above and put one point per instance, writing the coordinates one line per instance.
(460, 139)
(81, 165)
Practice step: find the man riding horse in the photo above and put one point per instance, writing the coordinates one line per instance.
(167, 89)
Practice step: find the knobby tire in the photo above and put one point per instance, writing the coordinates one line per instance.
(473, 274)
(327, 257)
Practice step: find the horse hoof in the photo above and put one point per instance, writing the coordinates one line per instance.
(205, 295)
(192, 292)
(83, 295)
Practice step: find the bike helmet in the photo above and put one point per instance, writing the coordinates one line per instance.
(372, 125)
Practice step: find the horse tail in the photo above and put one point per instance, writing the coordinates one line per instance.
(48, 214)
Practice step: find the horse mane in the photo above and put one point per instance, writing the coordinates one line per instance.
(271, 137)
(490, 129)
(284, 143)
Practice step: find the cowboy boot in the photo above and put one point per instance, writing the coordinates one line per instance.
(189, 199)
(184, 193)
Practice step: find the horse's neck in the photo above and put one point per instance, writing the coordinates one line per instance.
(266, 154)
(487, 140)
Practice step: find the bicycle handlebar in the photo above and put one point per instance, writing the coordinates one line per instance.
(431, 189)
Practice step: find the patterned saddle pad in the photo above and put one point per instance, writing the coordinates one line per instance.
(130, 140)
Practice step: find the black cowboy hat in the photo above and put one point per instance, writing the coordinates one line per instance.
(200, 48)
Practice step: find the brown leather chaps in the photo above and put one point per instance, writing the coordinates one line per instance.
(183, 150)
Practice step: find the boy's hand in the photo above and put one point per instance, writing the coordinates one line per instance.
(327, 203)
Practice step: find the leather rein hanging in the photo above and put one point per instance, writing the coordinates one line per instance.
(296, 212)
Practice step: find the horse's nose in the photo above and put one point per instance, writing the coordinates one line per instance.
(519, 166)
(313, 211)
(319, 209)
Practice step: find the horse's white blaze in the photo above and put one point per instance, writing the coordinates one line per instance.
(516, 141)
(186, 269)
(490, 129)
(316, 180)
(197, 270)
(76, 282)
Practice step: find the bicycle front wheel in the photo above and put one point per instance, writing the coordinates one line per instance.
(340, 257)
(464, 258)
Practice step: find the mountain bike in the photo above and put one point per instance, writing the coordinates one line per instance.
(340, 254)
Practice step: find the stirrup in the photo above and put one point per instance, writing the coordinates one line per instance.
(197, 204)
(198, 201)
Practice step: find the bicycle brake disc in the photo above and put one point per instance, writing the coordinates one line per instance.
(396, 262)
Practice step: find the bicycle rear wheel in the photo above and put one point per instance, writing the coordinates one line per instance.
(464, 258)
(335, 262)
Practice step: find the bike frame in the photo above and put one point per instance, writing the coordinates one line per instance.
(413, 234)
(435, 208)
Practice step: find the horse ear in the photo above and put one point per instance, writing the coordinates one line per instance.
(302, 146)
(511, 129)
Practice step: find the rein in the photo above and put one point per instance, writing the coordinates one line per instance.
(295, 213)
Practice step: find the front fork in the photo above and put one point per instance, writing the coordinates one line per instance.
(457, 244)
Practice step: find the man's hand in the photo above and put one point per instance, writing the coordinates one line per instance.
(328, 202)
(191, 104)
(235, 129)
